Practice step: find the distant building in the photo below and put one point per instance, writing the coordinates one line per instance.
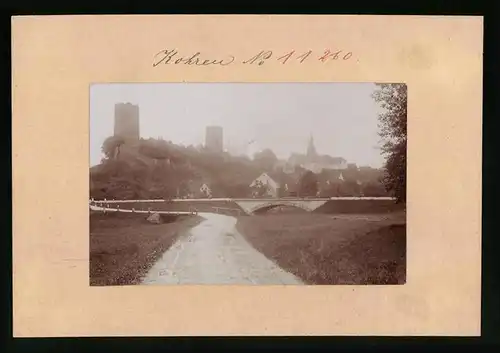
(214, 139)
(315, 162)
(127, 121)
(278, 183)
(206, 191)
(311, 150)
(271, 186)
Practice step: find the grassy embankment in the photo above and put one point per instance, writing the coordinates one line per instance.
(124, 246)
(333, 248)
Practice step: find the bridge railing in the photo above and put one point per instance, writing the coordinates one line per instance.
(244, 199)
(106, 209)
(232, 210)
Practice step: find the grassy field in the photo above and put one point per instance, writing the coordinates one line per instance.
(359, 207)
(123, 246)
(333, 249)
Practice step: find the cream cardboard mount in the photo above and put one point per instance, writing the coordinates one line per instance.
(56, 59)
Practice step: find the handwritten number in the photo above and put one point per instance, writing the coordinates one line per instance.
(304, 56)
(336, 55)
(287, 56)
(325, 56)
(347, 56)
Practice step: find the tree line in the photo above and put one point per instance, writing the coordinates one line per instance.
(393, 99)
(155, 168)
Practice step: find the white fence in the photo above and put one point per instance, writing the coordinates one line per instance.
(108, 209)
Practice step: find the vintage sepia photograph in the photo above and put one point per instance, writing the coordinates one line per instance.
(247, 183)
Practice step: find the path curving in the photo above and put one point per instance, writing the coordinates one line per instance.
(214, 252)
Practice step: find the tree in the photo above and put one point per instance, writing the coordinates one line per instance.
(155, 149)
(265, 159)
(183, 189)
(308, 184)
(331, 189)
(111, 147)
(349, 188)
(238, 190)
(373, 189)
(259, 189)
(169, 192)
(392, 98)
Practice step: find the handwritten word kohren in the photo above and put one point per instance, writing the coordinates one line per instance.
(170, 56)
(167, 57)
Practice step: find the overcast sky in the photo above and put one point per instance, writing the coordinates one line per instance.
(342, 117)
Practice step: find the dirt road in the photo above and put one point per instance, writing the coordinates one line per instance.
(215, 253)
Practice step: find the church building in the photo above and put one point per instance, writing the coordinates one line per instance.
(315, 162)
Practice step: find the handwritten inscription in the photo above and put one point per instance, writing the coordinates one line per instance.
(172, 56)
(300, 57)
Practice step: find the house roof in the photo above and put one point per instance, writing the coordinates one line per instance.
(282, 178)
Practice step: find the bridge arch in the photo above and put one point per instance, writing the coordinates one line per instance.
(265, 206)
(264, 209)
(254, 205)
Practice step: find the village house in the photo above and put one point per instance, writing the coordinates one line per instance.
(331, 182)
(277, 184)
(270, 185)
(206, 191)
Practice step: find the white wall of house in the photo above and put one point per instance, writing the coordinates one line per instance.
(270, 183)
(205, 190)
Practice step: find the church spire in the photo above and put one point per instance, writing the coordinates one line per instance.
(311, 150)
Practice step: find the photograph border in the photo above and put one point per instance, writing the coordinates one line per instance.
(14, 176)
(340, 83)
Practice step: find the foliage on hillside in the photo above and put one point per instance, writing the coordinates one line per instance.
(155, 168)
(308, 184)
(393, 130)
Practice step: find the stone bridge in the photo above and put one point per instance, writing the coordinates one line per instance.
(247, 205)
(250, 206)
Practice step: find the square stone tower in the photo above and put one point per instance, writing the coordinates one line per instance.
(214, 139)
(127, 121)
